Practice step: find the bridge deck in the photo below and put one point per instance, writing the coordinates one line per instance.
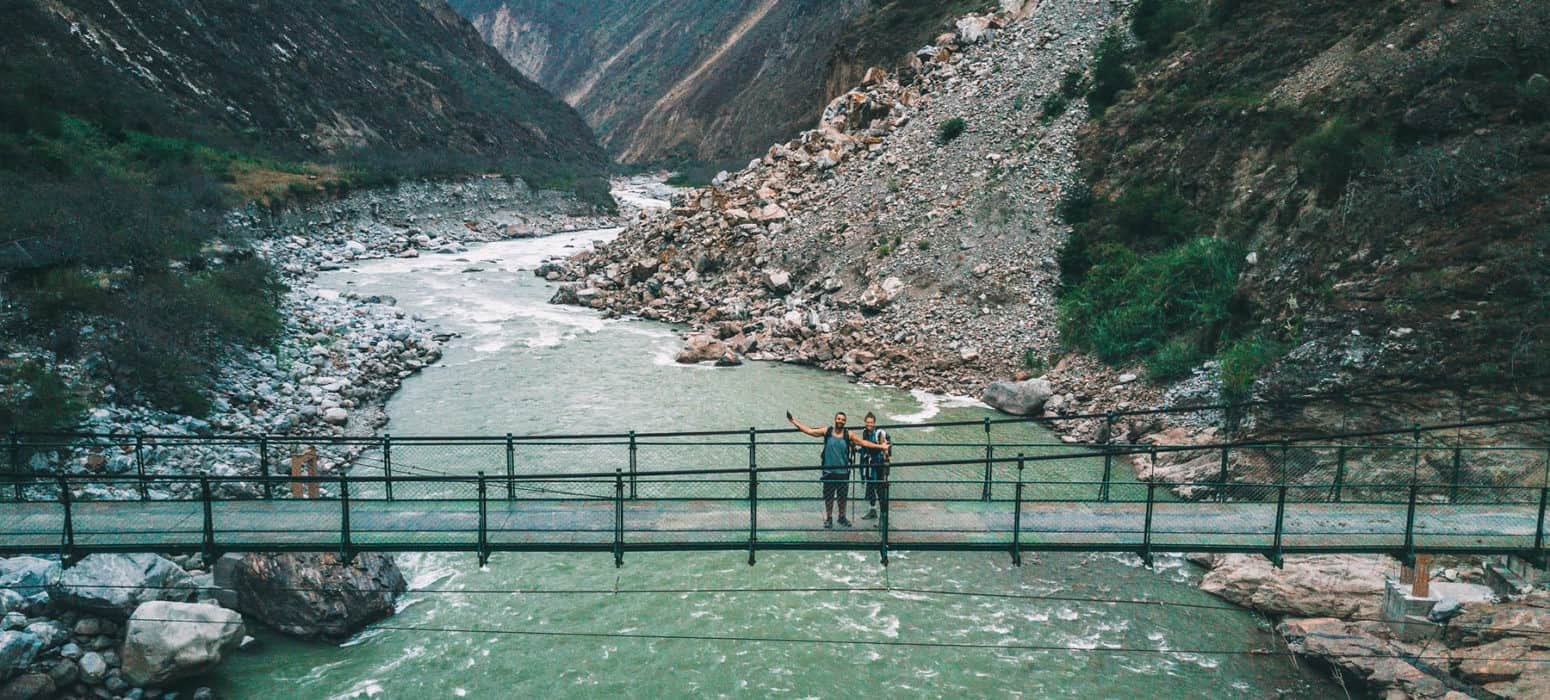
(591, 525)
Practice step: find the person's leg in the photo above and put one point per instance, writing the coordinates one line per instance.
(842, 488)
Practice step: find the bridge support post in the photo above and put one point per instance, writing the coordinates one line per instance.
(511, 468)
(753, 456)
(990, 453)
(1275, 551)
(140, 468)
(633, 451)
(1017, 516)
(753, 502)
(263, 466)
(346, 552)
(618, 518)
(387, 464)
(67, 540)
(208, 546)
(484, 524)
(1146, 532)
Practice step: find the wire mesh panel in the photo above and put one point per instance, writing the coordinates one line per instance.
(241, 523)
(709, 509)
(1077, 524)
(567, 517)
(440, 513)
(31, 526)
(1378, 474)
(105, 515)
(1497, 519)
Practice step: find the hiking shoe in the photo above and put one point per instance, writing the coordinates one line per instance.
(871, 514)
(829, 524)
(844, 522)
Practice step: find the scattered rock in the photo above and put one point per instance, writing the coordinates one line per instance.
(312, 596)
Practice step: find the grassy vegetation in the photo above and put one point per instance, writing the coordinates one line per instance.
(1110, 75)
(950, 129)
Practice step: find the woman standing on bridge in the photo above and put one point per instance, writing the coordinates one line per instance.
(836, 462)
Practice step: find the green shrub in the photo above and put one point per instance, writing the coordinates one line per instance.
(950, 129)
(1071, 84)
(1019, 102)
(1034, 362)
(1076, 202)
(1174, 360)
(1110, 74)
(34, 398)
(923, 244)
(1331, 156)
(1052, 107)
(1151, 215)
(1129, 306)
(1242, 363)
(1156, 22)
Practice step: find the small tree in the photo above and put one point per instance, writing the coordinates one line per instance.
(950, 129)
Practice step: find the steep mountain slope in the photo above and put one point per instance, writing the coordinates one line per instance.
(406, 82)
(128, 128)
(701, 80)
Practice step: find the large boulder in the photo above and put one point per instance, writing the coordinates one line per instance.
(32, 686)
(701, 348)
(312, 596)
(169, 641)
(878, 294)
(28, 577)
(1018, 398)
(17, 650)
(778, 281)
(113, 585)
(1333, 585)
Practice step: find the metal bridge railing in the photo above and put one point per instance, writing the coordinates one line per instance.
(638, 495)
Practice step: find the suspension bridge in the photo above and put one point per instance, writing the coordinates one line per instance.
(986, 486)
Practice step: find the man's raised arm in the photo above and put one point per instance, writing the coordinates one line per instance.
(811, 432)
(867, 443)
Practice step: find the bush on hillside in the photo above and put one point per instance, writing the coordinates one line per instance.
(1156, 22)
(950, 129)
(1130, 306)
(1339, 150)
(1110, 74)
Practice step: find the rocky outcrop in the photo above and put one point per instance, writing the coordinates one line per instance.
(1309, 586)
(311, 596)
(114, 585)
(881, 253)
(1362, 649)
(171, 641)
(17, 650)
(1024, 398)
(27, 579)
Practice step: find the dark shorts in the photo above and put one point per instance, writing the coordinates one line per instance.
(833, 485)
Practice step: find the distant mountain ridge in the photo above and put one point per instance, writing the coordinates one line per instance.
(404, 80)
(665, 81)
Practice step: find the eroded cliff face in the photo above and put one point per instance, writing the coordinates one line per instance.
(665, 81)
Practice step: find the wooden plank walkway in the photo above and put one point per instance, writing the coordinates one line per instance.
(534, 525)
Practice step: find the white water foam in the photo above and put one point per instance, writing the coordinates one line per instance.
(932, 404)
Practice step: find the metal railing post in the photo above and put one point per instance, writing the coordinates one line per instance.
(263, 466)
(140, 466)
(618, 518)
(1539, 530)
(990, 452)
(16, 465)
(1108, 457)
(1146, 532)
(1409, 555)
(1275, 552)
(753, 502)
(1017, 516)
(882, 514)
(387, 464)
(1221, 482)
(484, 523)
(67, 538)
(1340, 471)
(753, 453)
(208, 548)
(633, 451)
(511, 468)
(344, 518)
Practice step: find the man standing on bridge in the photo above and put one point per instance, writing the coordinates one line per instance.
(836, 462)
